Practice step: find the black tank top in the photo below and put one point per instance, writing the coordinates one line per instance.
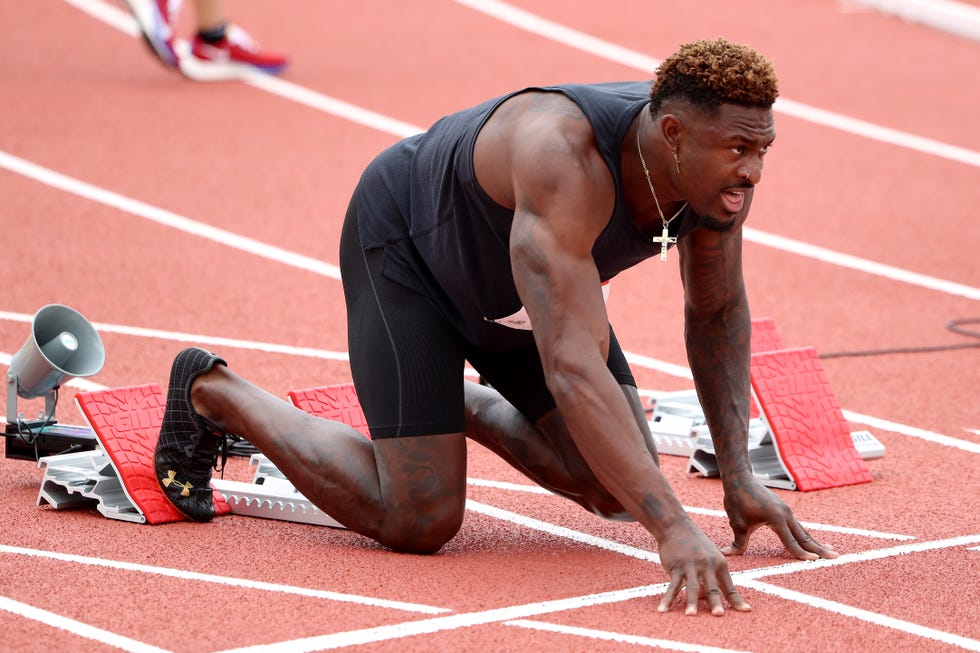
(447, 239)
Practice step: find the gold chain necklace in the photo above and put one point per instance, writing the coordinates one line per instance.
(665, 238)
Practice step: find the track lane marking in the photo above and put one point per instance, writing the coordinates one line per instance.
(374, 120)
(635, 359)
(875, 618)
(515, 612)
(244, 583)
(166, 218)
(121, 20)
(851, 262)
(608, 636)
(945, 15)
(561, 531)
(862, 556)
(577, 40)
(76, 627)
(453, 622)
(163, 217)
(708, 512)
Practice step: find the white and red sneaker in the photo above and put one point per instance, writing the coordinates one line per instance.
(156, 19)
(233, 57)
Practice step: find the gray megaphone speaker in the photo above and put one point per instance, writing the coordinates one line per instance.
(62, 345)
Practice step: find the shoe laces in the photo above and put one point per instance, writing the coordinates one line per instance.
(204, 454)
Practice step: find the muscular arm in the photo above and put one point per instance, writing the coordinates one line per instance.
(717, 335)
(563, 197)
(718, 339)
(537, 155)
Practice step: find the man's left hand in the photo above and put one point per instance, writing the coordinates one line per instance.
(750, 504)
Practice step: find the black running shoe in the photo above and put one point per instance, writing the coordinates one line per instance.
(188, 446)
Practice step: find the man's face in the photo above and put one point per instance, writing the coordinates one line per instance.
(721, 159)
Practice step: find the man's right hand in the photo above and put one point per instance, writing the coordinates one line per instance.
(694, 562)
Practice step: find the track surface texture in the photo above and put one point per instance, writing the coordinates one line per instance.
(171, 212)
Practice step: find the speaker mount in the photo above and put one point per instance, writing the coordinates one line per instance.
(62, 345)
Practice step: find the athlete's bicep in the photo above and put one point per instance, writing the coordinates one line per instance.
(563, 199)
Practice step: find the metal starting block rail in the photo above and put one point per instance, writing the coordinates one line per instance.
(677, 423)
(83, 480)
(273, 499)
(798, 436)
(678, 427)
(87, 479)
(766, 463)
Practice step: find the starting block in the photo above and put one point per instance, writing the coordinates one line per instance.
(335, 402)
(83, 480)
(126, 423)
(798, 438)
(807, 426)
(118, 477)
(669, 433)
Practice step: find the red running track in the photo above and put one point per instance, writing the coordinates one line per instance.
(110, 163)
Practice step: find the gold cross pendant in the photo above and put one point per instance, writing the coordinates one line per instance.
(664, 239)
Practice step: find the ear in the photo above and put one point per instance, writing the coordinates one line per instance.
(671, 129)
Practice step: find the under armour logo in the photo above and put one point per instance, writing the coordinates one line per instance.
(185, 488)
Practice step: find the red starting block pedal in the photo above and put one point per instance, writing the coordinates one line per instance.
(335, 402)
(765, 336)
(811, 436)
(126, 422)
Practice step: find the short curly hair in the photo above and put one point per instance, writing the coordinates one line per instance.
(711, 73)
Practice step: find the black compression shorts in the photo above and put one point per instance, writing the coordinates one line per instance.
(407, 361)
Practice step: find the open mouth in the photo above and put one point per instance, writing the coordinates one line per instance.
(733, 200)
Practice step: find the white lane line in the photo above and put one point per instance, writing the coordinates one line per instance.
(709, 512)
(111, 15)
(561, 531)
(75, 627)
(173, 220)
(875, 618)
(401, 129)
(452, 622)
(603, 49)
(658, 365)
(163, 217)
(121, 20)
(848, 261)
(332, 106)
(911, 431)
(814, 526)
(514, 487)
(517, 612)
(244, 583)
(529, 22)
(640, 554)
(953, 17)
(635, 359)
(604, 635)
(862, 556)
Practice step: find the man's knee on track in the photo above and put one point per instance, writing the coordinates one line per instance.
(424, 532)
